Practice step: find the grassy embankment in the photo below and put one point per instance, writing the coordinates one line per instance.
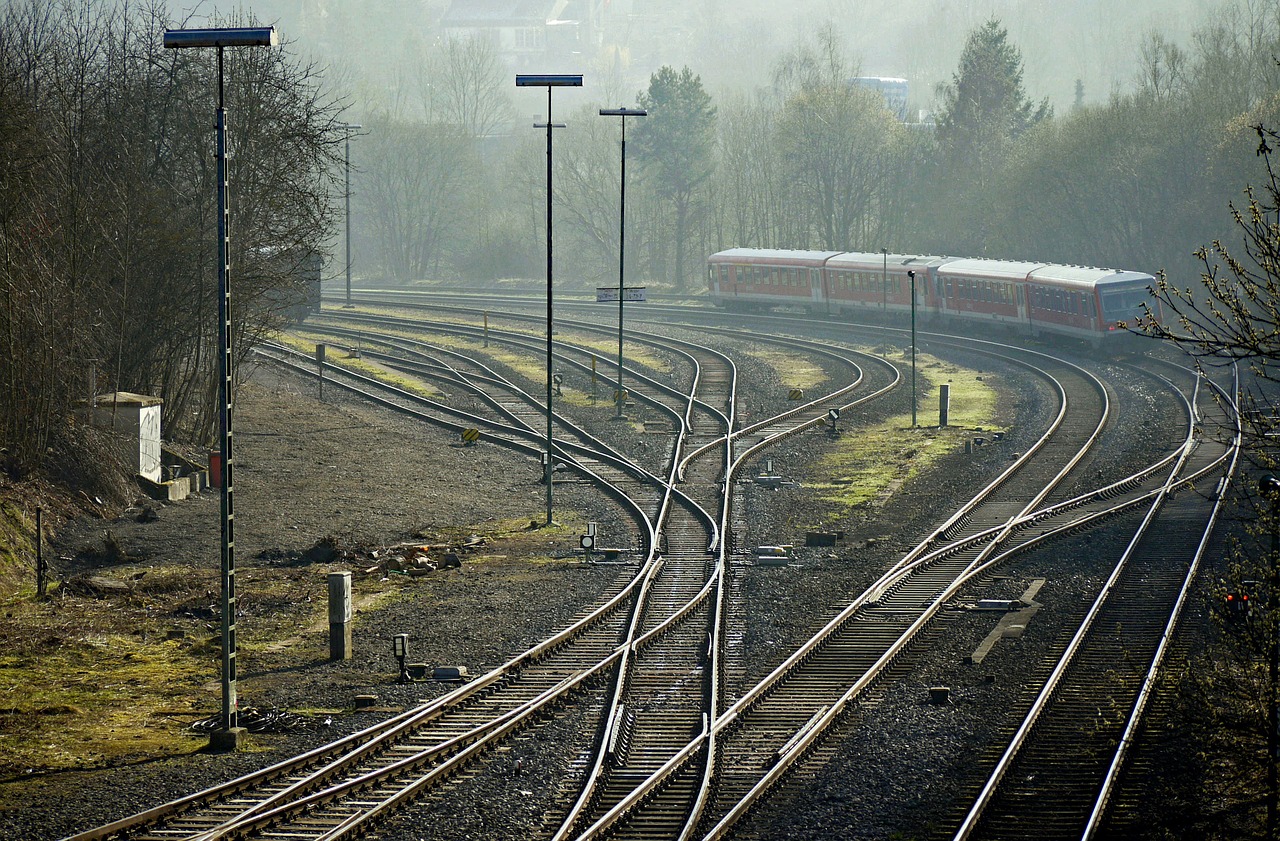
(88, 682)
(869, 461)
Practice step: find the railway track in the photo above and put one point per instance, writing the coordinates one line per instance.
(954, 530)
(635, 639)
(1138, 489)
(763, 734)
(1059, 768)
(675, 757)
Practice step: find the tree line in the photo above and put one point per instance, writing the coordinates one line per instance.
(108, 216)
(106, 181)
(812, 160)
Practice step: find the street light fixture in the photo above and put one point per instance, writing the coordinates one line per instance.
(348, 128)
(230, 734)
(912, 274)
(548, 81)
(622, 230)
(1269, 487)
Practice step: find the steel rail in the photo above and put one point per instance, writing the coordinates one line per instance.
(1048, 691)
(693, 747)
(527, 342)
(735, 466)
(613, 718)
(658, 630)
(1127, 740)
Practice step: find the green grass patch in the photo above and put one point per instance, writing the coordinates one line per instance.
(868, 463)
(17, 549)
(794, 370)
(98, 699)
(306, 343)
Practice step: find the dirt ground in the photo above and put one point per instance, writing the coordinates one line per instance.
(93, 679)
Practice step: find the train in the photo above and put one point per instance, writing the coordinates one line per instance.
(1036, 299)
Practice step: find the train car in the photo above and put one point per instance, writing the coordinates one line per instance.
(985, 292)
(878, 283)
(1123, 298)
(1023, 297)
(1088, 303)
(760, 278)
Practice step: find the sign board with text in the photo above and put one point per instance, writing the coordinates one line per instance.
(607, 294)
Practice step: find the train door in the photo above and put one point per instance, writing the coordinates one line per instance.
(1026, 299)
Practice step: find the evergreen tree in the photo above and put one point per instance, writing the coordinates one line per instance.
(985, 107)
(675, 147)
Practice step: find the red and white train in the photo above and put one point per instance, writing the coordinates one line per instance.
(1031, 298)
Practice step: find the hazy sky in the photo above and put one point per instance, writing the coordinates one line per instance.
(734, 42)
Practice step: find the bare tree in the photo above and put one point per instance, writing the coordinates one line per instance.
(413, 191)
(106, 209)
(463, 83)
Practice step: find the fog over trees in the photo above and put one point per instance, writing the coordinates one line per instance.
(1108, 150)
(1090, 132)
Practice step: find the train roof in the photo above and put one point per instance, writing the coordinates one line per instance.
(877, 260)
(1000, 269)
(1088, 276)
(771, 255)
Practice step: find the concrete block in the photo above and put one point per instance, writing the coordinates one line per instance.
(451, 674)
(224, 741)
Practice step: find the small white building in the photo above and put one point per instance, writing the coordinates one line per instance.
(136, 417)
(529, 34)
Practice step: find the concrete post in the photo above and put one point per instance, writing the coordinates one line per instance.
(944, 404)
(339, 616)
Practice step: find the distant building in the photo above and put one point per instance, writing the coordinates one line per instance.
(893, 89)
(528, 34)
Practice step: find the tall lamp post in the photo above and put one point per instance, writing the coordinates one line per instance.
(911, 274)
(622, 229)
(1269, 486)
(230, 734)
(348, 128)
(549, 82)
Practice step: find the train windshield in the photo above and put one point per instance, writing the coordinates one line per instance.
(1124, 303)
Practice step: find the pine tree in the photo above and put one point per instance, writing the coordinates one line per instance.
(675, 147)
(985, 107)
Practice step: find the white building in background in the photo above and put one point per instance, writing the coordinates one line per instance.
(530, 35)
(893, 89)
